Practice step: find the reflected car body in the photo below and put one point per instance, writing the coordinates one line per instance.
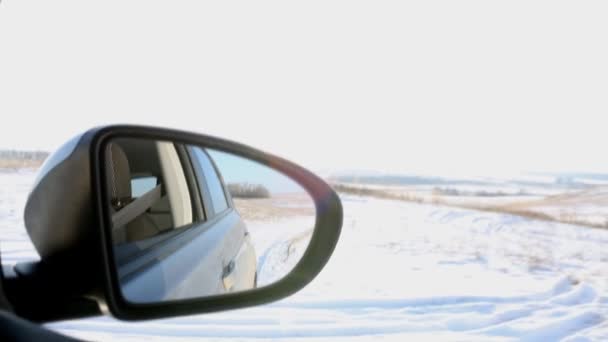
(189, 241)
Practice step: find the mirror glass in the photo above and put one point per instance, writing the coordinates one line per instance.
(191, 222)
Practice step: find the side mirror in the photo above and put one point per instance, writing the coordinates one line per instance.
(152, 223)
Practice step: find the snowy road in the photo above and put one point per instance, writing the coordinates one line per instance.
(402, 271)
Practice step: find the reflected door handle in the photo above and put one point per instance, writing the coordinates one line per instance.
(228, 276)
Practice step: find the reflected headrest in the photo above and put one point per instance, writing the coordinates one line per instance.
(119, 175)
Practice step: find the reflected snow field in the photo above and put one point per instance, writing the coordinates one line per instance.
(402, 271)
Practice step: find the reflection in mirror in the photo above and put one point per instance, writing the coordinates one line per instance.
(191, 222)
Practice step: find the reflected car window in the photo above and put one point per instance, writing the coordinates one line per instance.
(141, 185)
(218, 198)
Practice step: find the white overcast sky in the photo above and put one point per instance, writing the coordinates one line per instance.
(424, 86)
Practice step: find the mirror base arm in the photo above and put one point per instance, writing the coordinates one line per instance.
(39, 295)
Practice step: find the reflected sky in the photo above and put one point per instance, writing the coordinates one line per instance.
(235, 169)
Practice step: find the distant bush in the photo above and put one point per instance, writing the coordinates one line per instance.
(378, 193)
(246, 190)
(12, 159)
(480, 193)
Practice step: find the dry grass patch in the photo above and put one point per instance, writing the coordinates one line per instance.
(526, 209)
(275, 207)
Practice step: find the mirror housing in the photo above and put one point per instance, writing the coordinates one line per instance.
(71, 230)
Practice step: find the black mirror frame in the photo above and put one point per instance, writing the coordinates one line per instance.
(322, 244)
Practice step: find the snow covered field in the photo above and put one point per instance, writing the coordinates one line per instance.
(402, 271)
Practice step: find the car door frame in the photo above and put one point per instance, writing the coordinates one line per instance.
(209, 204)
